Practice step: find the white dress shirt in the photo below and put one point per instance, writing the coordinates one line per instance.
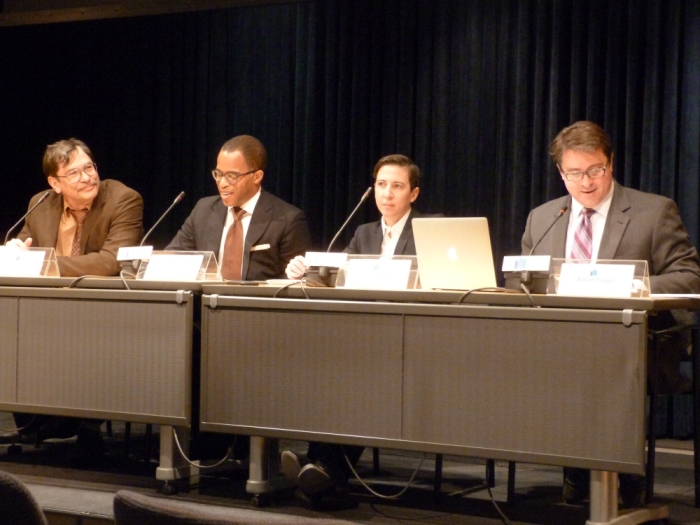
(597, 222)
(392, 234)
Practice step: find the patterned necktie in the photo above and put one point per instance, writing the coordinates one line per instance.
(79, 216)
(233, 247)
(582, 247)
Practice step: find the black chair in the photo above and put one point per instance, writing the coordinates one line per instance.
(17, 505)
(132, 508)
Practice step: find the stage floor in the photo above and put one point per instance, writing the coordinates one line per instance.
(84, 496)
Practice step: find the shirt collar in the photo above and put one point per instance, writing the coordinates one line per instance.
(397, 228)
(602, 208)
(249, 206)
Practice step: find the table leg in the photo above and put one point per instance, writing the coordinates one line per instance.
(604, 504)
(264, 469)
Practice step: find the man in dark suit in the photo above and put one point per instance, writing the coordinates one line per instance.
(605, 220)
(396, 187)
(273, 231)
(86, 220)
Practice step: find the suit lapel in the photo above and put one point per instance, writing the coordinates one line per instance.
(217, 218)
(262, 215)
(559, 231)
(93, 216)
(405, 234)
(375, 239)
(615, 224)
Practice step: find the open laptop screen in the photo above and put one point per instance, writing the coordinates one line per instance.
(454, 253)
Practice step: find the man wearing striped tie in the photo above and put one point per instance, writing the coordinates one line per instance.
(605, 220)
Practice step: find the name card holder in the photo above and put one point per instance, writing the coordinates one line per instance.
(179, 266)
(372, 272)
(599, 278)
(30, 262)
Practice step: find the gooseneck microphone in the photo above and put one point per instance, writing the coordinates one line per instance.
(177, 199)
(526, 275)
(42, 199)
(323, 271)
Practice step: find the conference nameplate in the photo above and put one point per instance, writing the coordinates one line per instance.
(328, 259)
(28, 262)
(179, 266)
(372, 272)
(529, 263)
(600, 278)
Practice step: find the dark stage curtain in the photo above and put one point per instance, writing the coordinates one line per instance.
(473, 90)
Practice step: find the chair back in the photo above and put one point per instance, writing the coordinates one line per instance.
(17, 505)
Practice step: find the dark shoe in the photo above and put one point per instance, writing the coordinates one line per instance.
(576, 486)
(88, 449)
(291, 466)
(313, 479)
(9, 438)
(633, 491)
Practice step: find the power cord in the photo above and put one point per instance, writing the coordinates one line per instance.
(192, 463)
(375, 493)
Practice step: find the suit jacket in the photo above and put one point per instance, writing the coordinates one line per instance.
(114, 220)
(368, 239)
(274, 222)
(639, 226)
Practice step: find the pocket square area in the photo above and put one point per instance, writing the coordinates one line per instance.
(260, 247)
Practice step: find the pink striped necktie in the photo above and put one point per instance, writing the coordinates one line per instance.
(582, 247)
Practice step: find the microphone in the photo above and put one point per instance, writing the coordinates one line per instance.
(42, 199)
(323, 271)
(526, 275)
(177, 199)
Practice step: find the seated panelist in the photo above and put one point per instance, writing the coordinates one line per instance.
(396, 187)
(253, 233)
(86, 220)
(605, 220)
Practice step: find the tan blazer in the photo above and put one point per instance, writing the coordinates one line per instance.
(114, 220)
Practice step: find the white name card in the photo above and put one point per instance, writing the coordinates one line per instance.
(133, 253)
(16, 262)
(596, 280)
(167, 267)
(331, 260)
(520, 263)
(377, 274)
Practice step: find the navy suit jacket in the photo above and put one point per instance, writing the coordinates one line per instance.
(274, 222)
(639, 226)
(368, 239)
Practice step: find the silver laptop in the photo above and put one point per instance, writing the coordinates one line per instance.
(454, 253)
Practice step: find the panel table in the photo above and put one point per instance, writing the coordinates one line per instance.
(493, 378)
(105, 354)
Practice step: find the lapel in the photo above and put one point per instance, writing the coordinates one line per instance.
(559, 231)
(405, 234)
(262, 215)
(50, 218)
(217, 220)
(94, 215)
(615, 224)
(375, 238)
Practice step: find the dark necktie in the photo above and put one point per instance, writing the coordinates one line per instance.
(79, 216)
(582, 247)
(233, 247)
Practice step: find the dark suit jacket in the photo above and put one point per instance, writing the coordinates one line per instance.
(114, 221)
(368, 239)
(274, 222)
(639, 226)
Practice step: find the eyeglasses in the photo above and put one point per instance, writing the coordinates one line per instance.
(230, 176)
(593, 173)
(74, 175)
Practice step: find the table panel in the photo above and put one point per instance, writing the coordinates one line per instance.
(8, 348)
(114, 355)
(261, 369)
(528, 390)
